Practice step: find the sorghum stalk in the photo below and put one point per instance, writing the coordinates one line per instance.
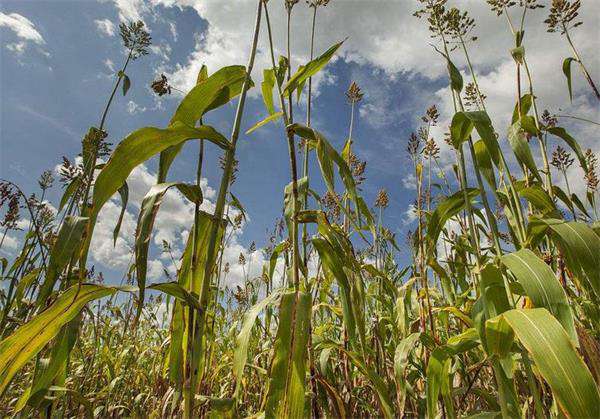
(292, 155)
(197, 348)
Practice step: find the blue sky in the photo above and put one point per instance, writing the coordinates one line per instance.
(58, 59)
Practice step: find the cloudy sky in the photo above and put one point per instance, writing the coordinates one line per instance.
(58, 61)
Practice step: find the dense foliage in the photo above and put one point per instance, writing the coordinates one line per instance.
(496, 315)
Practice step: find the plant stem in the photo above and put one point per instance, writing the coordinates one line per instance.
(292, 155)
(583, 69)
(197, 348)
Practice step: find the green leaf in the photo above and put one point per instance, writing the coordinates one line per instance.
(177, 291)
(235, 203)
(242, 340)
(566, 68)
(47, 369)
(499, 337)
(310, 69)
(571, 142)
(401, 355)
(274, 256)
(484, 162)
(267, 89)
(462, 126)
(149, 209)
(270, 118)
(445, 210)
(581, 247)
(460, 129)
(542, 286)
(138, 147)
(287, 386)
(539, 198)
(518, 142)
(518, 54)
(288, 199)
(526, 103)
(215, 91)
(327, 156)
(126, 84)
(557, 360)
(68, 243)
(438, 370)
(29, 339)
(456, 80)
(124, 193)
(69, 192)
(376, 382)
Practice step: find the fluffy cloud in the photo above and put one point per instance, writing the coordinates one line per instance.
(105, 27)
(130, 10)
(172, 224)
(25, 31)
(22, 27)
(134, 108)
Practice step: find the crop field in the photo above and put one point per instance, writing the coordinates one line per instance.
(481, 300)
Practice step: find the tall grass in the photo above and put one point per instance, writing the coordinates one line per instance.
(495, 315)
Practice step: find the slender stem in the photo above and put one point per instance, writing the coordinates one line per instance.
(306, 148)
(197, 347)
(583, 69)
(292, 156)
(564, 172)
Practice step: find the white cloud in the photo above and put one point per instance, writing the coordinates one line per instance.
(16, 47)
(22, 27)
(162, 50)
(410, 215)
(105, 27)
(9, 244)
(108, 63)
(172, 224)
(25, 30)
(130, 10)
(134, 108)
(173, 29)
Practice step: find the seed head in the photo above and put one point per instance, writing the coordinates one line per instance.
(472, 99)
(548, 119)
(433, 11)
(413, 145)
(357, 167)
(289, 4)
(94, 144)
(563, 16)
(382, 200)
(242, 259)
(499, 6)
(561, 159)
(354, 93)
(46, 180)
(431, 115)
(591, 176)
(431, 150)
(237, 220)
(330, 202)
(135, 38)
(458, 24)
(161, 86)
(317, 3)
(11, 217)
